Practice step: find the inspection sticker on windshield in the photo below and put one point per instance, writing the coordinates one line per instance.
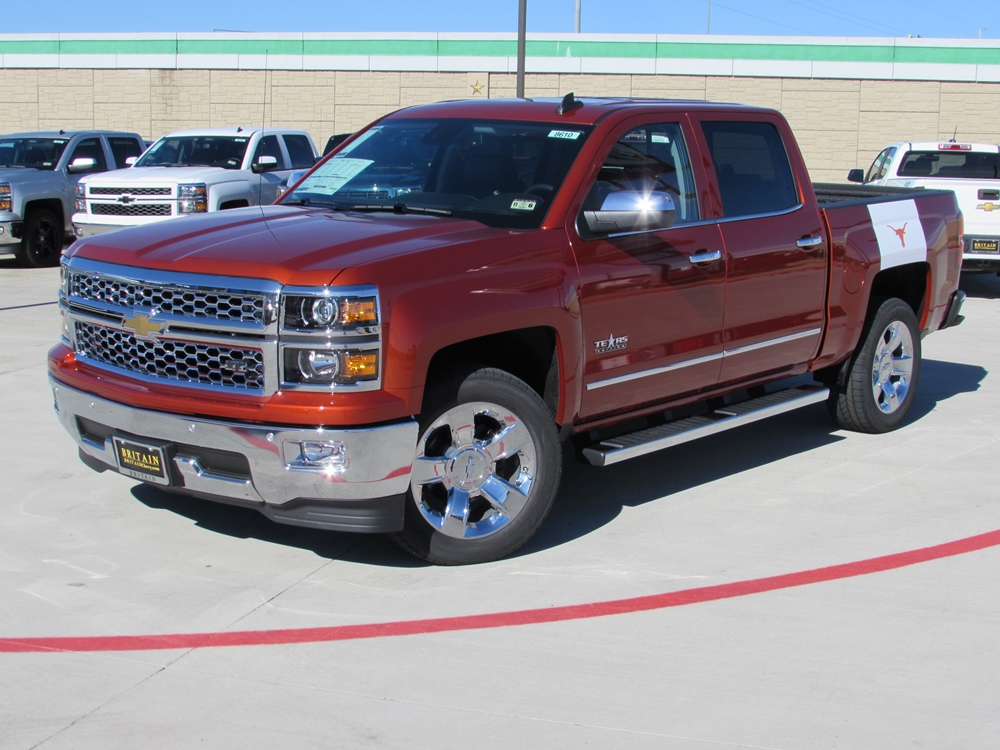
(521, 205)
(569, 135)
(332, 176)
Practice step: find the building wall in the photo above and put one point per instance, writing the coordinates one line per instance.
(842, 109)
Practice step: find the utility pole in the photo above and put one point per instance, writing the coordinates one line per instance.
(576, 24)
(709, 17)
(980, 31)
(522, 11)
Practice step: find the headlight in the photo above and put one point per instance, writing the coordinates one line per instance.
(329, 366)
(327, 312)
(81, 198)
(5, 199)
(193, 199)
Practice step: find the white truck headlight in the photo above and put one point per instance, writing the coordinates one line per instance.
(193, 198)
(81, 198)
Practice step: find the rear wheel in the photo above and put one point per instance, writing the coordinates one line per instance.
(41, 243)
(486, 470)
(882, 381)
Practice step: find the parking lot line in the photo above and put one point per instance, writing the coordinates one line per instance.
(503, 619)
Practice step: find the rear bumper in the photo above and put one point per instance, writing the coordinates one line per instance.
(257, 466)
(975, 260)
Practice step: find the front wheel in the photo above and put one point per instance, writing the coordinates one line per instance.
(882, 381)
(486, 470)
(41, 243)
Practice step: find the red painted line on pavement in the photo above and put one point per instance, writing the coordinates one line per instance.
(501, 619)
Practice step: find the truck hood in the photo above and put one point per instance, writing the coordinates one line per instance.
(14, 173)
(288, 244)
(161, 175)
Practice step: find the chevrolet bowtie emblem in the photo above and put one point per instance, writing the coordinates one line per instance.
(988, 206)
(126, 199)
(141, 326)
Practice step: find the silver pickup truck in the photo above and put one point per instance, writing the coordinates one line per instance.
(38, 176)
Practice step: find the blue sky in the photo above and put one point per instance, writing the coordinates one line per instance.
(962, 18)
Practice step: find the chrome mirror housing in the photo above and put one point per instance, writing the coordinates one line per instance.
(632, 210)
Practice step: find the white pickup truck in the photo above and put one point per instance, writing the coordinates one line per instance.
(970, 170)
(192, 172)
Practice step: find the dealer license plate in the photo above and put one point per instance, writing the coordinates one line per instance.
(985, 246)
(141, 461)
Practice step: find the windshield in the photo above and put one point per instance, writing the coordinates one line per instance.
(224, 151)
(502, 173)
(969, 165)
(37, 153)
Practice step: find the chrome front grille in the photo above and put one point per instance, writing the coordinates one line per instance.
(94, 190)
(169, 299)
(130, 209)
(183, 361)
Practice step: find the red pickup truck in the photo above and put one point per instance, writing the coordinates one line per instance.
(404, 341)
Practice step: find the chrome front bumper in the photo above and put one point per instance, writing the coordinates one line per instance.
(7, 233)
(91, 230)
(374, 462)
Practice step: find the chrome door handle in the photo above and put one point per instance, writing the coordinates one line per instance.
(808, 243)
(705, 257)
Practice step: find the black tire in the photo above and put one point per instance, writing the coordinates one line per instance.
(449, 462)
(864, 403)
(42, 241)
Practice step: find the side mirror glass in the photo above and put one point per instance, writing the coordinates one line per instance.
(264, 164)
(632, 210)
(81, 165)
(131, 160)
(856, 175)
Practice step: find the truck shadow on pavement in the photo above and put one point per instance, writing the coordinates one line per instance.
(981, 285)
(589, 497)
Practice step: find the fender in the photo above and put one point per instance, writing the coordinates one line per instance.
(219, 193)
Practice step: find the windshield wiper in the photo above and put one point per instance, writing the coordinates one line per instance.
(401, 208)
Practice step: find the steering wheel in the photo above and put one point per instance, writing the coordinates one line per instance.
(539, 186)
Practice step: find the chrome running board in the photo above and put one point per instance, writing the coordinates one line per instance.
(652, 439)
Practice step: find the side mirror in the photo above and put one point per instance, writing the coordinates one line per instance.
(264, 164)
(856, 175)
(294, 177)
(131, 160)
(81, 165)
(632, 210)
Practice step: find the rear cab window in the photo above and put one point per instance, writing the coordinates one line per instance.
(968, 165)
(751, 166)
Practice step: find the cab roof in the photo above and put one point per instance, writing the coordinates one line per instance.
(63, 133)
(543, 109)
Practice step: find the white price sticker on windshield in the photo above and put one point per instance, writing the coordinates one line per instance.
(332, 176)
(522, 205)
(568, 135)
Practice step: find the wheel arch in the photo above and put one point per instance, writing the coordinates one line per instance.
(909, 283)
(530, 354)
(48, 204)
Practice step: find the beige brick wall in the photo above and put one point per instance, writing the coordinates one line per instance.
(839, 124)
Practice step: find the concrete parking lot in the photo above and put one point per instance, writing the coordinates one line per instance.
(898, 652)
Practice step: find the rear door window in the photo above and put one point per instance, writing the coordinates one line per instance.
(752, 167)
(299, 151)
(123, 148)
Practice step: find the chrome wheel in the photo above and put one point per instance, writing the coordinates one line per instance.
(892, 367)
(474, 470)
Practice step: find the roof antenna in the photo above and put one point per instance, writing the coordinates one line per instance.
(568, 104)
(954, 135)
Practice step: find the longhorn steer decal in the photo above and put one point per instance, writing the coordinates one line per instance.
(901, 233)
